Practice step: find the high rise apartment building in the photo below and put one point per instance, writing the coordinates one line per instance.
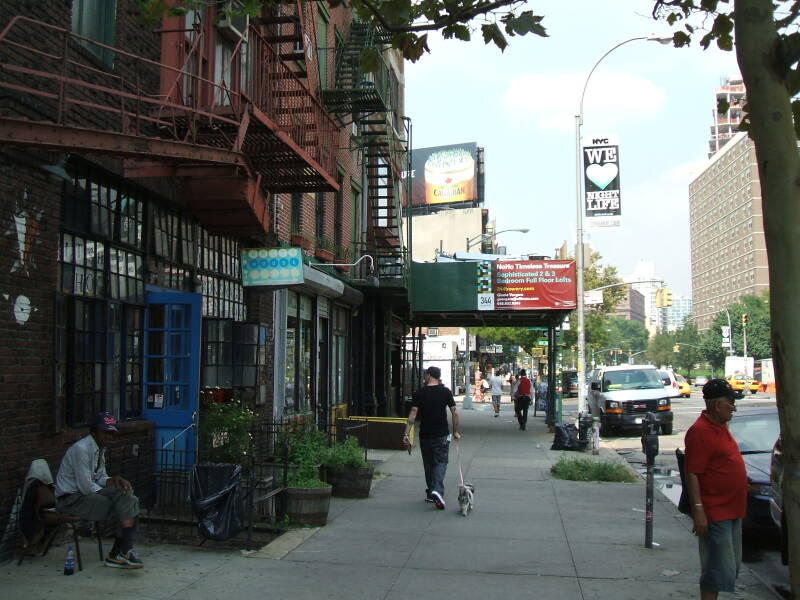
(672, 318)
(725, 125)
(728, 250)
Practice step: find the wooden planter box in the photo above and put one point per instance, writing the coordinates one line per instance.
(322, 254)
(350, 482)
(307, 506)
(302, 241)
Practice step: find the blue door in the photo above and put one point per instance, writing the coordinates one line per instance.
(171, 369)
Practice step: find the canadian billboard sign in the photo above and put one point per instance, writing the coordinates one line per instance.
(526, 285)
(444, 174)
(602, 198)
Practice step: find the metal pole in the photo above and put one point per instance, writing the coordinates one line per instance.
(467, 402)
(744, 344)
(581, 359)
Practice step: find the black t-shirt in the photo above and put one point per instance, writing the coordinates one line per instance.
(431, 402)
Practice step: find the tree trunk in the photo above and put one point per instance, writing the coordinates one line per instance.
(772, 130)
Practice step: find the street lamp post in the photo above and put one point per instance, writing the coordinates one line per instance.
(481, 237)
(579, 258)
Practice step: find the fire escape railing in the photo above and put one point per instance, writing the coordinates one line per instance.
(265, 114)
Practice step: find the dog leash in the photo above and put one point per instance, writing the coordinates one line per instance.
(460, 471)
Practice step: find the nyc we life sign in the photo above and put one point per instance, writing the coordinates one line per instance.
(601, 190)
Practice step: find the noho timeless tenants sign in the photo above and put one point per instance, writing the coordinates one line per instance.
(602, 202)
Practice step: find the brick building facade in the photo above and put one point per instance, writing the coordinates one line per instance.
(137, 161)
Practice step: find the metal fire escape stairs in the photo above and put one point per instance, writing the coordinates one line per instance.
(365, 100)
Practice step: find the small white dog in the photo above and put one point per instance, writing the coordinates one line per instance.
(466, 498)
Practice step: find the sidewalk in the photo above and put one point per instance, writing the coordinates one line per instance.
(529, 536)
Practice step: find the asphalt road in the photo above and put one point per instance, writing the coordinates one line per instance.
(761, 549)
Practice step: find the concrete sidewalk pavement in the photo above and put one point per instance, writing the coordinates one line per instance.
(529, 536)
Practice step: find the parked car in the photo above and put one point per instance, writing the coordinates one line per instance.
(743, 383)
(569, 383)
(776, 500)
(621, 396)
(700, 381)
(683, 386)
(755, 429)
(670, 382)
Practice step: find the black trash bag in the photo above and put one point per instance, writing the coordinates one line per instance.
(217, 501)
(566, 437)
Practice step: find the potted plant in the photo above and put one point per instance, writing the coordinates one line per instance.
(307, 497)
(324, 250)
(346, 469)
(303, 240)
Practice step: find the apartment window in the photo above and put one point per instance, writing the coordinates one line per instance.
(320, 215)
(297, 207)
(322, 49)
(433, 331)
(338, 212)
(96, 20)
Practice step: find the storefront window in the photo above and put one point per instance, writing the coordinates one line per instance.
(291, 351)
(305, 373)
(339, 355)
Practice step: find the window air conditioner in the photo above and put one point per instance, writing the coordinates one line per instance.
(233, 21)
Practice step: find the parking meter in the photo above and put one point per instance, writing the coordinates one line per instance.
(650, 450)
(650, 438)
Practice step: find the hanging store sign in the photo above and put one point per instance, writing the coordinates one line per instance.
(602, 201)
(271, 266)
(526, 285)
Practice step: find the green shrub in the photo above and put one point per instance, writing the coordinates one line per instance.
(581, 469)
(347, 454)
(307, 445)
(226, 429)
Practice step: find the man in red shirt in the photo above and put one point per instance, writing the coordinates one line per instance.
(716, 480)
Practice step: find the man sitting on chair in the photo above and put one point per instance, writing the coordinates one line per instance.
(84, 489)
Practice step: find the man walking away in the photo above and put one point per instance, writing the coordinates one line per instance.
(523, 399)
(84, 489)
(497, 392)
(716, 480)
(429, 408)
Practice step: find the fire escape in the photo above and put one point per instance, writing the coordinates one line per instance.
(233, 133)
(369, 101)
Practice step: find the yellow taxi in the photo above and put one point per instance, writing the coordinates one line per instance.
(743, 383)
(683, 386)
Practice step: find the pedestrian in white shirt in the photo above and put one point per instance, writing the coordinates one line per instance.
(496, 383)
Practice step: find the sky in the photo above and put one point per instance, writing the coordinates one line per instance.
(520, 105)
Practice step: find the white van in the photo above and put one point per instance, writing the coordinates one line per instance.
(621, 396)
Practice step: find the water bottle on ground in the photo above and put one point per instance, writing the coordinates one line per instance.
(69, 562)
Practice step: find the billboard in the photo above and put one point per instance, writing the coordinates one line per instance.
(526, 285)
(602, 201)
(444, 174)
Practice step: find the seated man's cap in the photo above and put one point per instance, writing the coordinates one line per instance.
(105, 421)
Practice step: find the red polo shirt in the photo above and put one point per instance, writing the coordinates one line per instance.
(713, 455)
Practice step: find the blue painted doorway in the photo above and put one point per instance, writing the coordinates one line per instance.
(172, 370)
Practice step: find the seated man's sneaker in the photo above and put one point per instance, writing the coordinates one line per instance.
(124, 560)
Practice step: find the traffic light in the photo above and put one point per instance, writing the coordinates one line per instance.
(663, 297)
(745, 319)
(676, 348)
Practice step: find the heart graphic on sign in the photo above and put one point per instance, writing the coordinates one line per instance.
(601, 176)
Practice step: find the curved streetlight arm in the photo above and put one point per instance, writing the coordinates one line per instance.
(366, 256)
(479, 238)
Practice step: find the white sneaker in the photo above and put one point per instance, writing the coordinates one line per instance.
(438, 500)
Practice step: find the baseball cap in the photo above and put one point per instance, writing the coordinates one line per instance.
(718, 388)
(105, 421)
